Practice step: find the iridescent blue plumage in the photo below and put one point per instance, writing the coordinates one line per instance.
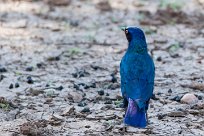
(137, 77)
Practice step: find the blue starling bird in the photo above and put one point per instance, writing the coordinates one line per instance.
(137, 73)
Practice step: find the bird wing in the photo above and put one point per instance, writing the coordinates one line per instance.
(122, 75)
(139, 79)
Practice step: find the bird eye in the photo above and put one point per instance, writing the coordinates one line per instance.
(126, 31)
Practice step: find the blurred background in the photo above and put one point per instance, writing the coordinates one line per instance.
(59, 66)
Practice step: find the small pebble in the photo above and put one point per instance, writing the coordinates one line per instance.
(30, 80)
(87, 126)
(2, 77)
(86, 109)
(108, 102)
(74, 75)
(39, 65)
(92, 85)
(175, 98)
(49, 100)
(76, 86)
(101, 92)
(179, 131)
(95, 67)
(57, 58)
(151, 106)
(82, 84)
(189, 98)
(29, 69)
(17, 85)
(159, 58)
(59, 88)
(154, 97)
(11, 86)
(113, 79)
(104, 6)
(3, 69)
(159, 93)
(74, 23)
(86, 86)
(170, 91)
(81, 104)
(53, 58)
(200, 97)
(160, 116)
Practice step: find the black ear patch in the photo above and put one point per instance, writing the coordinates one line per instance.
(128, 36)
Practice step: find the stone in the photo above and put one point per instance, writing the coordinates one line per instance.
(160, 116)
(101, 92)
(176, 114)
(59, 2)
(189, 98)
(30, 80)
(17, 85)
(175, 98)
(86, 109)
(68, 110)
(30, 68)
(11, 86)
(76, 97)
(104, 6)
(3, 69)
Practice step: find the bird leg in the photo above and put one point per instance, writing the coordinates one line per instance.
(125, 110)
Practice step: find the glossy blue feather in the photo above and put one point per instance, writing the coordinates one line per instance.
(137, 76)
(134, 117)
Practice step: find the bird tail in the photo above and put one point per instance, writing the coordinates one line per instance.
(135, 117)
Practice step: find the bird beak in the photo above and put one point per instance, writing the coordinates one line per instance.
(123, 28)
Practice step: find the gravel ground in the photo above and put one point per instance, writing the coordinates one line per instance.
(59, 68)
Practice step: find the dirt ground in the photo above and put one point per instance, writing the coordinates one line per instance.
(59, 66)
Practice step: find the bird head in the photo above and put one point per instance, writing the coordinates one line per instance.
(136, 37)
